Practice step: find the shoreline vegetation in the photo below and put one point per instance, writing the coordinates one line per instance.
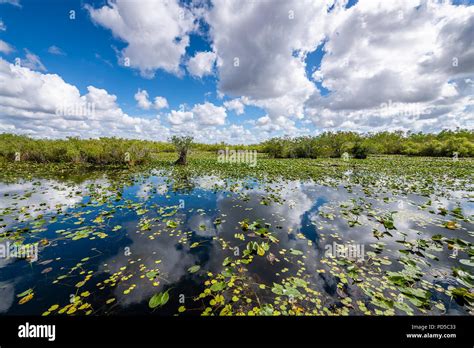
(116, 151)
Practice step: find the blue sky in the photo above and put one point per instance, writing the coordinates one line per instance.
(90, 58)
(82, 40)
(333, 71)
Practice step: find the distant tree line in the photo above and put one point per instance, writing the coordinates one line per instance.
(75, 150)
(334, 144)
(328, 144)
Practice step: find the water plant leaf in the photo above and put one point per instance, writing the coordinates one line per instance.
(194, 269)
(158, 300)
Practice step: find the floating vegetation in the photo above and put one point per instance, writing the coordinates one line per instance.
(388, 235)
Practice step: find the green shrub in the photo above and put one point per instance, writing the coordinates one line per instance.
(360, 150)
(104, 151)
(330, 144)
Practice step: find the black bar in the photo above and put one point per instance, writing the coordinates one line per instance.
(243, 331)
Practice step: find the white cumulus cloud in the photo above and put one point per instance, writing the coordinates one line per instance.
(261, 48)
(209, 114)
(396, 65)
(143, 102)
(201, 64)
(156, 32)
(44, 105)
(237, 105)
(179, 117)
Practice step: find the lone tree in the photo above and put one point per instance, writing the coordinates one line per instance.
(182, 145)
(360, 150)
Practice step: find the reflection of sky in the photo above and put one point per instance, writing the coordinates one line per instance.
(197, 220)
(40, 197)
(208, 182)
(411, 223)
(7, 295)
(48, 193)
(36, 199)
(456, 197)
(409, 219)
(295, 222)
(288, 217)
(175, 260)
(151, 186)
(43, 196)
